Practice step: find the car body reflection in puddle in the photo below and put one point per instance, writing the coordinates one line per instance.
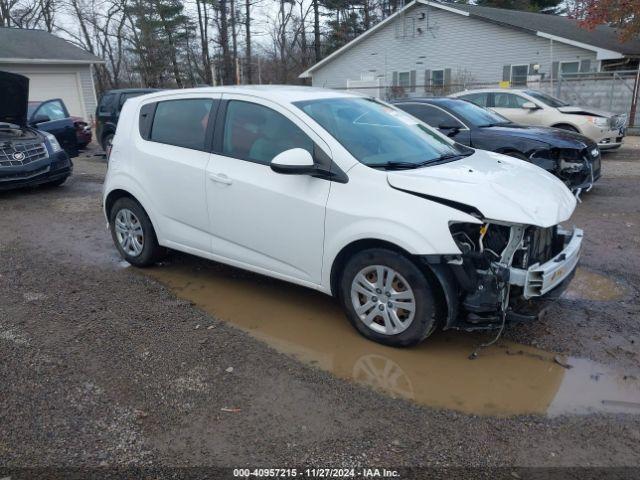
(506, 379)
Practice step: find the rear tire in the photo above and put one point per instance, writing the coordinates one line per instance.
(387, 298)
(107, 141)
(133, 234)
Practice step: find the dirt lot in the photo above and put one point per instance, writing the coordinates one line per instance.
(195, 364)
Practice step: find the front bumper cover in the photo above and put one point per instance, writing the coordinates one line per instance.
(540, 279)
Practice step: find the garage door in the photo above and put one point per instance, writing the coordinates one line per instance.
(43, 86)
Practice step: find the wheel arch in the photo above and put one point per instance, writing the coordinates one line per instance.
(437, 275)
(566, 124)
(117, 193)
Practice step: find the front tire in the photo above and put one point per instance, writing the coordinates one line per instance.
(133, 233)
(387, 298)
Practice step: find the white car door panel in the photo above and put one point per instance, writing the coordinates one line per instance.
(174, 179)
(262, 218)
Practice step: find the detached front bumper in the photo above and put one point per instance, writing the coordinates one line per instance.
(541, 279)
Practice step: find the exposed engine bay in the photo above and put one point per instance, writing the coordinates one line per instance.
(577, 169)
(503, 268)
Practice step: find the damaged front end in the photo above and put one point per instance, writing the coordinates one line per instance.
(578, 169)
(508, 272)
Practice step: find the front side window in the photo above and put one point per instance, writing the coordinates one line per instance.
(258, 133)
(431, 115)
(437, 78)
(546, 99)
(182, 123)
(53, 109)
(379, 136)
(508, 100)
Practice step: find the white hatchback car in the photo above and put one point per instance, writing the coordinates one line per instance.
(343, 194)
(531, 107)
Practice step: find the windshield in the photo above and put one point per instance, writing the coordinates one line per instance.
(377, 135)
(475, 116)
(546, 99)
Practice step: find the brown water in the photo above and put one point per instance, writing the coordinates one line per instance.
(506, 379)
(587, 285)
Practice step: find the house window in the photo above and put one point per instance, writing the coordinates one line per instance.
(519, 75)
(569, 67)
(437, 78)
(406, 28)
(404, 79)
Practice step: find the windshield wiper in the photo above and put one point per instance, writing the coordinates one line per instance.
(400, 165)
(495, 124)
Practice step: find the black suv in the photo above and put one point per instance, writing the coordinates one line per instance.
(108, 112)
(27, 156)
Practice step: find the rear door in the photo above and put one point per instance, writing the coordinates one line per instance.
(171, 160)
(260, 219)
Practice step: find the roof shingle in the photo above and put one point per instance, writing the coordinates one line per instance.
(27, 44)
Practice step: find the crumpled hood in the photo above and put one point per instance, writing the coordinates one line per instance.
(553, 137)
(14, 97)
(502, 188)
(586, 110)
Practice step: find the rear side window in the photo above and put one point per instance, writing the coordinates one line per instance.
(106, 103)
(431, 115)
(481, 99)
(182, 123)
(257, 133)
(508, 100)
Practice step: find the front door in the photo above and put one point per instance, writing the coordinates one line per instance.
(260, 219)
(509, 105)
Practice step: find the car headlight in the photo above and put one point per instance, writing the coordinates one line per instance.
(599, 121)
(53, 142)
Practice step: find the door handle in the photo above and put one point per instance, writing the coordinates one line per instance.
(220, 178)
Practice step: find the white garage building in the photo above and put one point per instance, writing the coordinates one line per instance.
(55, 67)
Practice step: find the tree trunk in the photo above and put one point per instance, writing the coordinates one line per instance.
(316, 31)
(204, 42)
(227, 64)
(248, 72)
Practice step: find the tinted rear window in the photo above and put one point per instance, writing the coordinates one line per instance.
(182, 122)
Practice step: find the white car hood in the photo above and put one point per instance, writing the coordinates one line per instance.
(586, 110)
(502, 188)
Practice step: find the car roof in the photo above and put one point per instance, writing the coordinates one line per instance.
(491, 90)
(277, 93)
(443, 101)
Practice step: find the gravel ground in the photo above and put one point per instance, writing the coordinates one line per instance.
(102, 366)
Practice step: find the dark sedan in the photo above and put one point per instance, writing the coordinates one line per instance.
(573, 158)
(52, 116)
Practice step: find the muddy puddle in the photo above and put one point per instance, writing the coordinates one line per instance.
(506, 379)
(587, 285)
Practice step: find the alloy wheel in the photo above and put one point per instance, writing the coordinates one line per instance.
(383, 299)
(129, 232)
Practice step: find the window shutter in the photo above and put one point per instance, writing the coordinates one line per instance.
(506, 73)
(585, 66)
(412, 88)
(447, 77)
(555, 66)
(427, 80)
(394, 81)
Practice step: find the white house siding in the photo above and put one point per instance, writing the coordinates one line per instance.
(80, 99)
(448, 41)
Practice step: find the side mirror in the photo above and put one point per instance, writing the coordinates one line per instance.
(529, 106)
(40, 119)
(449, 130)
(296, 161)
